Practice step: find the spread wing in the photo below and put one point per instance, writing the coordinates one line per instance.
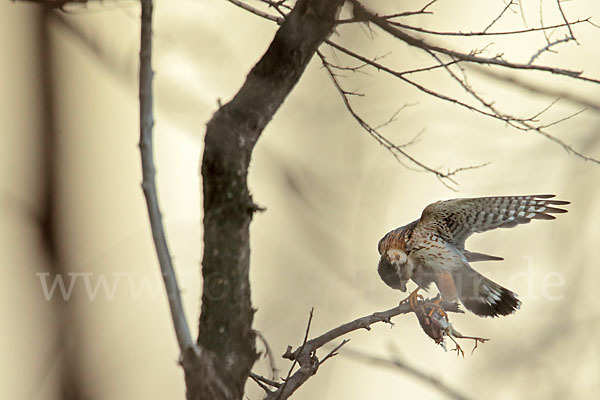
(456, 220)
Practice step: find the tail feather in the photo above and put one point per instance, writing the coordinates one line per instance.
(483, 296)
(473, 256)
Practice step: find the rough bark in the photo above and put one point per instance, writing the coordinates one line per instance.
(226, 340)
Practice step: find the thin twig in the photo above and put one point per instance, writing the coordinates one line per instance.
(399, 74)
(422, 88)
(334, 351)
(182, 331)
(423, 10)
(548, 47)
(508, 119)
(261, 378)
(510, 3)
(305, 354)
(485, 33)
(396, 150)
(524, 124)
(256, 11)
(268, 354)
(457, 57)
(562, 13)
(546, 91)
(471, 58)
(257, 379)
(296, 360)
(278, 5)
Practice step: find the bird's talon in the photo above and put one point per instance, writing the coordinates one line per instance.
(413, 298)
(435, 306)
(458, 349)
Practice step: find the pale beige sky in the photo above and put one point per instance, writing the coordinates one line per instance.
(330, 190)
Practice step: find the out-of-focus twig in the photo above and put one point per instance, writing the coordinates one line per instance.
(268, 354)
(397, 363)
(182, 331)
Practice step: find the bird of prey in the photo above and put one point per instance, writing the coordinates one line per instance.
(432, 248)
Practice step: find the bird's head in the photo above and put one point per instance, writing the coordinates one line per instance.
(395, 268)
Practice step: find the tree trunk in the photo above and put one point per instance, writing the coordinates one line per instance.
(226, 339)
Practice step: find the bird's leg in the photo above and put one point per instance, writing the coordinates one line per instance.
(458, 349)
(477, 341)
(453, 333)
(447, 287)
(413, 298)
(435, 306)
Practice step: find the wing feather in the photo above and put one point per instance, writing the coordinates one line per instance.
(456, 220)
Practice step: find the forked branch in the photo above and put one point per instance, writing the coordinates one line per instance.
(452, 61)
(306, 359)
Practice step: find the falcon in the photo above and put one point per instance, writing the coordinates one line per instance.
(432, 249)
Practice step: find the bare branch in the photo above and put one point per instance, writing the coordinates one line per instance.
(423, 10)
(422, 44)
(397, 363)
(425, 69)
(485, 33)
(182, 331)
(525, 124)
(295, 360)
(510, 3)
(548, 47)
(279, 6)
(256, 11)
(397, 151)
(401, 76)
(518, 123)
(268, 354)
(393, 119)
(593, 24)
(461, 169)
(306, 353)
(259, 378)
(259, 381)
(457, 57)
(334, 351)
(562, 13)
(546, 91)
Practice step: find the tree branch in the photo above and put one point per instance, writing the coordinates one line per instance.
(456, 58)
(422, 44)
(484, 32)
(524, 124)
(305, 355)
(256, 11)
(269, 355)
(226, 338)
(548, 47)
(564, 17)
(397, 151)
(504, 10)
(182, 331)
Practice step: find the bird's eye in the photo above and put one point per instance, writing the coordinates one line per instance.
(397, 256)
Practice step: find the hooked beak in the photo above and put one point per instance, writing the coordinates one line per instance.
(403, 285)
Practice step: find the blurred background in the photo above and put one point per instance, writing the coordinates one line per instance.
(73, 213)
